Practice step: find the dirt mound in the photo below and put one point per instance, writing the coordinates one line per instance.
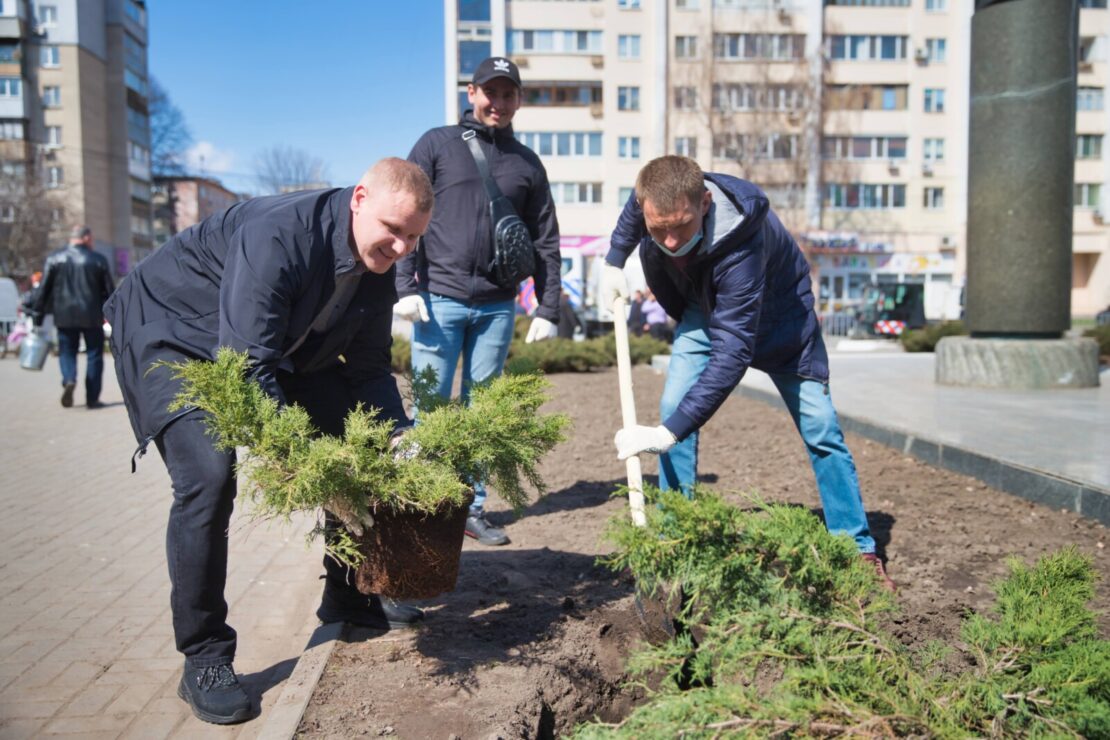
(534, 638)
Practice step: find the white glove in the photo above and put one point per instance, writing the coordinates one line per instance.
(613, 284)
(403, 448)
(634, 440)
(411, 307)
(540, 330)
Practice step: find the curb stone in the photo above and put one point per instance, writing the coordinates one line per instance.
(285, 716)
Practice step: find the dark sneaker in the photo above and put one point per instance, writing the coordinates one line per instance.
(376, 612)
(67, 394)
(877, 564)
(215, 695)
(94, 404)
(486, 534)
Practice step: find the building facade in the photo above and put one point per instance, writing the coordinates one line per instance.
(851, 114)
(181, 201)
(74, 116)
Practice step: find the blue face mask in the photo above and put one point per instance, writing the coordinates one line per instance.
(682, 251)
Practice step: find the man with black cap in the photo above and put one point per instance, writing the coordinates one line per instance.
(446, 287)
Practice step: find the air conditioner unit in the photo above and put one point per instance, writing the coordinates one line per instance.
(1086, 67)
(927, 169)
(597, 60)
(892, 167)
(521, 62)
(596, 110)
(1098, 217)
(947, 241)
(921, 56)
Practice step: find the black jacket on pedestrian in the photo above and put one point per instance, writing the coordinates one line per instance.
(255, 278)
(75, 283)
(454, 255)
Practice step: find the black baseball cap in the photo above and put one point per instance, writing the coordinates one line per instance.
(496, 67)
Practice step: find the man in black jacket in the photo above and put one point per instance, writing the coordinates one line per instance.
(75, 283)
(446, 287)
(303, 283)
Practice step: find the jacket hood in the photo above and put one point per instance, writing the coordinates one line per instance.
(737, 212)
(467, 120)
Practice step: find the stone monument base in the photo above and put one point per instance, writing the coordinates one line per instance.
(1018, 364)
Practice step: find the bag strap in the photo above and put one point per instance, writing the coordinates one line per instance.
(470, 136)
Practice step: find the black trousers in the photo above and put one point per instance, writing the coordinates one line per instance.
(203, 498)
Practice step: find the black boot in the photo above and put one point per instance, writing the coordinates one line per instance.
(215, 695)
(377, 612)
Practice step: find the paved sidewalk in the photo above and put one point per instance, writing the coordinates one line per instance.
(1048, 446)
(86, 645)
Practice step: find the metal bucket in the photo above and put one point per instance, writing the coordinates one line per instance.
(33, 351)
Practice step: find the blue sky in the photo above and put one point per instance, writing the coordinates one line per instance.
(348, 81)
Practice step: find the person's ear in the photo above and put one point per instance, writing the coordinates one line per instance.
(471, 90)
(357, 197)
(706, 201)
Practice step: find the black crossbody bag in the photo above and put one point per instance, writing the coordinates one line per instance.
(514, 256)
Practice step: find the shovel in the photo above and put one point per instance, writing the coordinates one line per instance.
(657, 612)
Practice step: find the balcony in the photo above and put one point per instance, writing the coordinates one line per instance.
(11, 27)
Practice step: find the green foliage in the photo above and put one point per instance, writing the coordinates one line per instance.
(568, 356)
(500, 437)
(401, 355)
(925, 340)
(1100, 334)
(790, 643)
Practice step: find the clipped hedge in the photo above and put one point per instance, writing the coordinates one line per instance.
(1100, 334)
(925, 340)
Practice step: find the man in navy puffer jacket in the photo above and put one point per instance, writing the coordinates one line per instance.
(725, 268)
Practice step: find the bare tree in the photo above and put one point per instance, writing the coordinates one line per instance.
(169, 134)
(281, 169)
(28, 213)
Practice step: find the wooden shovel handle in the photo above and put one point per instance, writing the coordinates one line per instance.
(628, 410)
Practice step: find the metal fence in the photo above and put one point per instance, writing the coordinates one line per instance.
(837, 323)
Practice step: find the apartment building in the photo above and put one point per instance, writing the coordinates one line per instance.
(74, 117)
(181, 201)
(851, 114)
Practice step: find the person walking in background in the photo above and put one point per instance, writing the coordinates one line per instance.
(722, 264)
(655, 319)
(446, 288)
(636, 313)
(569, 319)
(303, 283)
(75, 283)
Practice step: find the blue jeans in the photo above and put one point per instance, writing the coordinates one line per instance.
(479, 332)
(809, 404)
(68, 342)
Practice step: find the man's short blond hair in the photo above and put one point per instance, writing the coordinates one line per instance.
(670, 183)
(400, 175)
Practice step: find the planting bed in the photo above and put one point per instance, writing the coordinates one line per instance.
(534, 638)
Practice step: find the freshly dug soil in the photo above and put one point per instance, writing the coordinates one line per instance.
(534, 638)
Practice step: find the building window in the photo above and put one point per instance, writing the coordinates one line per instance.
(140, 190)
(743, 97)
(784, 196)
(49, 56)
(936, 6)
(140, 225)
(686, 4)
(137, 126)
(7, 214)
(872, 3)
(11, 130)
(51, 96)
(686, 146)
(134, 54)
(471, 54)
(555, 41)
(628, 98)
(862, 196)
(628, 147)
(628, 4)
(138, 154)
(1087, 194)
(623, 195)
(9, 52)
(867, 97)
(933, 150)
(135, 11)
(134, 81)
(10, 87)
(685, 97)
(686, 47)
(55, 177)
(859, 48)
(934, 198)
(474, 10)
(768, 46)
(628, 46)
(566, 93)
(562, 143)
(1092, 4)
(12, 168)
(1088, 146)
(935, 50)
(46, 15)
(755, 147)
(570, 193)
(53, 136)
(1089, 98)
(864, 147)
(934, 100)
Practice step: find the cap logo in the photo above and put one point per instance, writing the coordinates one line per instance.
(501, 65)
